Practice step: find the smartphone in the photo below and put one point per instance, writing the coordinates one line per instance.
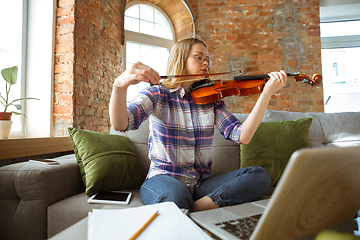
(113, 197)
(44, 161)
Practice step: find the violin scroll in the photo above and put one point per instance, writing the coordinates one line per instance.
(315, 80)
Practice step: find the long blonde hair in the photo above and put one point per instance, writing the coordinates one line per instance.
(177, 60)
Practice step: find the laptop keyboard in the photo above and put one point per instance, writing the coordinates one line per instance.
(241, 228)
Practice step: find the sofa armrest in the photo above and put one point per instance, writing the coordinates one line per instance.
(27, 189)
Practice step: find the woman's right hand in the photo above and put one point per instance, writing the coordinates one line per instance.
(117, 108)
(137, 73)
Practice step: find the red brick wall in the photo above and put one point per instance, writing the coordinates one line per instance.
(88, 59)
(98, 61)
(64, 67)
(254, 36)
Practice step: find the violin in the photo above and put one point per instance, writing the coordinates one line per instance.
(215, 90)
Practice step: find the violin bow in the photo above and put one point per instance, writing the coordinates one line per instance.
(199, 75)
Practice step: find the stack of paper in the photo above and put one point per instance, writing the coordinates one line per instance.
(171, 223)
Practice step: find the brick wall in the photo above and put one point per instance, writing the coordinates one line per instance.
(88, 59)
(98, 61)
(64, 67)
(254, 36)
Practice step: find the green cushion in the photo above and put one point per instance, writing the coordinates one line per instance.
(273, 143)
(106, 162)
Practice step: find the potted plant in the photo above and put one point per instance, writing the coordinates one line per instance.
(10, 76)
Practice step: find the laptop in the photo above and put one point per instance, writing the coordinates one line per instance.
(319, 189)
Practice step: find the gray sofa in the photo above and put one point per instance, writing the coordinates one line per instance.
(38, 201)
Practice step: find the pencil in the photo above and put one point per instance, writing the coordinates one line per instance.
(144, 226)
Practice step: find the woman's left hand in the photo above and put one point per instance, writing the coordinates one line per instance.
(277, 81)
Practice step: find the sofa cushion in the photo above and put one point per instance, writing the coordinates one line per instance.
(107, 162)
(273, 143)
(316, 133)
(139, 140)
(342, 129)
(327, 129)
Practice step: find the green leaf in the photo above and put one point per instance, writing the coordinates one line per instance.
(18, 106)
(10, 74)
(16, 113)
(26, 98)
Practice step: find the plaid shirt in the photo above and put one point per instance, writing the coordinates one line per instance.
(181, 132)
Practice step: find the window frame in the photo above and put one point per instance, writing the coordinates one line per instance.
(37, 69)
(346, 41)
(21, 74)
(336, 11)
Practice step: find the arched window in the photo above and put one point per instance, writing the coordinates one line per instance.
(149, 35)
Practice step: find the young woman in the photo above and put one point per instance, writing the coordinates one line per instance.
(181, 133)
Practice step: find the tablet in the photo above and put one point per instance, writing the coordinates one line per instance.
(113, 197)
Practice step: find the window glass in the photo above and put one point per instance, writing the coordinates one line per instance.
(341, 79)
(145, 19)
(147, 13)
(132, 23)
(133, 12)
(336, 29)
(159, 19)
(133, 53)
(11, 51)
(161, 29)
(154, 57)
(149, 37)
(147, 27)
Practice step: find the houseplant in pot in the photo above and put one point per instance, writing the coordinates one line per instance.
(10, 77)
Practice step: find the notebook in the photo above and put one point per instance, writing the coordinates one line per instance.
(319, 189)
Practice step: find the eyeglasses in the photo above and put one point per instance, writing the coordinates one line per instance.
(200, 59)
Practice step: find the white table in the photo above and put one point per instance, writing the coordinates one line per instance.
(78, 231)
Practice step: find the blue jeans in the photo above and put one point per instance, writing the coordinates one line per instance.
(236, 187)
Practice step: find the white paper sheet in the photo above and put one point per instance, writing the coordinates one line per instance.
(171, 223)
